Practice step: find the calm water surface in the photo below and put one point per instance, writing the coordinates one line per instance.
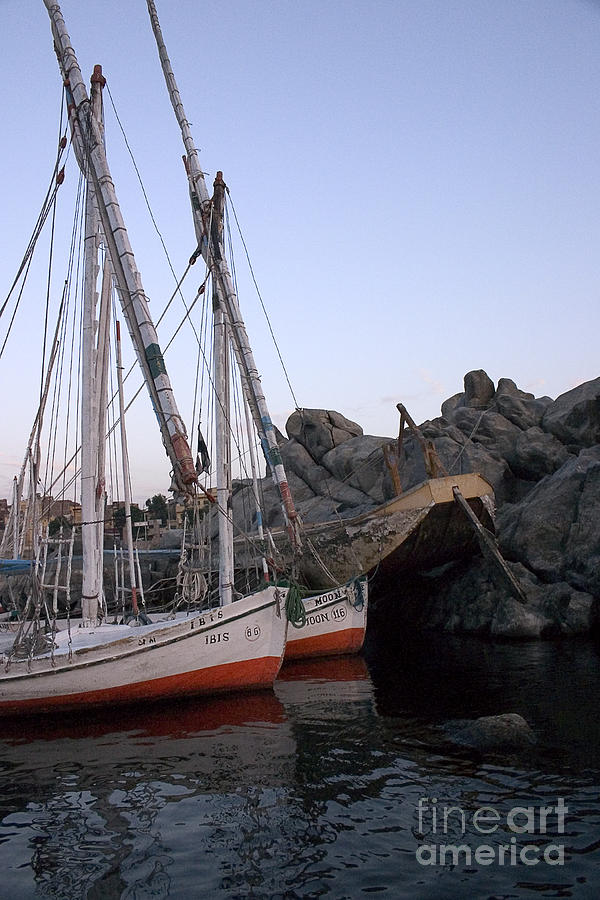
(314, 790)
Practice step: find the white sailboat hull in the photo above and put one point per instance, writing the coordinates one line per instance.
(236, 647)
(335, 624)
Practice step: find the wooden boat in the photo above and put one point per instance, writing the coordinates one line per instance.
(421, 529)
(76, 663)
(237, 647)
(223, 640)
(334, 623)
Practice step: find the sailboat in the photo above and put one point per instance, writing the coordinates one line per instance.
(70, 663)
(211, 640)
(323, 624)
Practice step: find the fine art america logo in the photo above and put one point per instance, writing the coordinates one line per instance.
(452, 836)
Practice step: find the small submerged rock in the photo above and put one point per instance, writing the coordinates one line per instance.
(506, 732)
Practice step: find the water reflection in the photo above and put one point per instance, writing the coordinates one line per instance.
(307, 791)
(553, 685)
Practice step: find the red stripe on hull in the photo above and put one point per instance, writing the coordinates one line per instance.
(247, 675)
(350, 640)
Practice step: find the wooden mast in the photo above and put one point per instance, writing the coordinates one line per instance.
(126, 474)
(90, 437)
(89, 149)
(215, 259)
(222, 374)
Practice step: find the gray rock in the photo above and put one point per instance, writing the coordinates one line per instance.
(320, 509)
(359, 463)
(506, 732)
(537, 454)
(570, 611)
(574, 417)
(271, 502)
(548, 499)
(507, 387)
(519, 407)
(244, 507)
(460, 455)
(451, 404)
(511, 619)
(554, 530)
(297, 459)
(320, 430)
(473, 599)
(479, 389)
(490, 429)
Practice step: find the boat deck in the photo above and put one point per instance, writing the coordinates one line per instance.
(72, 635)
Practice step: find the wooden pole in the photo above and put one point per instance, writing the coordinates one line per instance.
(489, 547)
(91, 156)
(213, 252)
(126, 479)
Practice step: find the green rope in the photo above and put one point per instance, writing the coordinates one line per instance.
(358, 601)
(294, 607)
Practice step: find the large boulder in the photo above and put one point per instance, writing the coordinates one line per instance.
(574, 417)
(297, 459)
(359, 463)
(519, 407)
(490, 429)
(320, 430)
(554, 530)
(479, 389)
(478, 394)
(451, 404)
(537, 454)
(473, 597)
(542, 458)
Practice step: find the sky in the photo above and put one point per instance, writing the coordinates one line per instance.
(416, 182)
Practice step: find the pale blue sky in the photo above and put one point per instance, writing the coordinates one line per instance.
(417, 182)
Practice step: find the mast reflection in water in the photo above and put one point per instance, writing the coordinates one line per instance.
(309, 791)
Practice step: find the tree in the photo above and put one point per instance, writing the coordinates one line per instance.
(157, 508)
(189, 516)
(119, 517)
(55, 524)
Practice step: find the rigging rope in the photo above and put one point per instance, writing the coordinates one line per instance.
(48, 204)
(137, 172)
(285, 372)
(470, 436)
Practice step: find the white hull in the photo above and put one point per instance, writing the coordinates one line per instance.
(336, 622)
(236, 647)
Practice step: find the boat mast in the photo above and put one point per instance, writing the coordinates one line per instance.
(15, 522)
(254, 472)
(90, 436)
(101, 377)
(223, 451)
(222, 378)
(126, 475)
(215, 258)
(89, 149)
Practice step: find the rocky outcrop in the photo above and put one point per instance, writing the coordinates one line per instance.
(320, 430)
(542, 457)
(470, 598)
(574, 417)
(555, 529)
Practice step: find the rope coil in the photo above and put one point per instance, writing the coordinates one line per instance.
(294, 607)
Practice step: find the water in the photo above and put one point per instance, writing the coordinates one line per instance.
(314, 790)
